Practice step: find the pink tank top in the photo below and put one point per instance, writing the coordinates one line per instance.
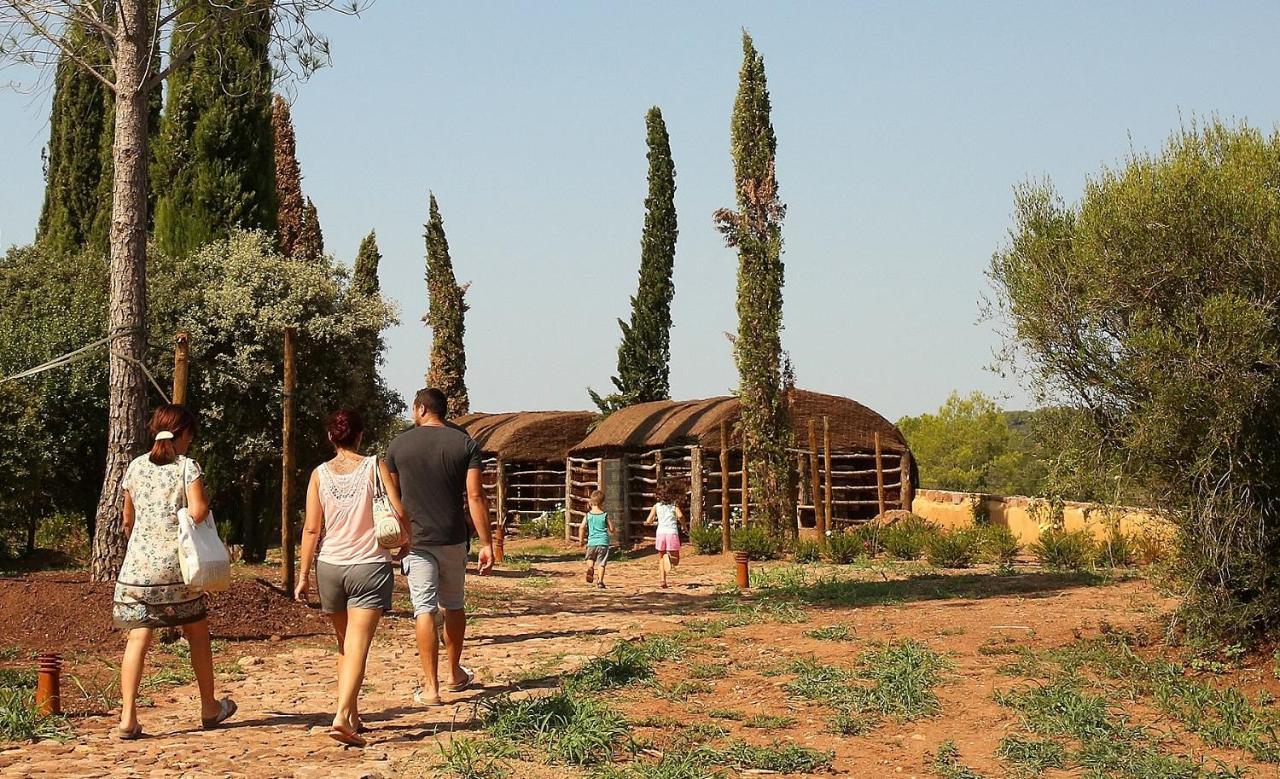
(347, 500)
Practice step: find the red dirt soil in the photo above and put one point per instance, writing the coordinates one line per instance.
(63, 612)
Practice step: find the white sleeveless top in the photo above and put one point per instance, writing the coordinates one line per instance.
(347, 500)
(666, 514)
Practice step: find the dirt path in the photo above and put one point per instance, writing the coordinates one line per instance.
(538, 619)
(535, 623)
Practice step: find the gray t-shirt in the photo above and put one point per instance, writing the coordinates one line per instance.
(432, 464)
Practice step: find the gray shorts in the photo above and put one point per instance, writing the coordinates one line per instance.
(436, 576)
(359, 586)
(598, 554)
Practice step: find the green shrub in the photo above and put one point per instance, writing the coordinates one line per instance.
(806, 550)
(1117, 550)
(906, 539)
(1060, 550)
(999, 545)
(568, 727)
(706, 539)
(19, 720)
(952, 548)
(845, 546)
(871, 537)
(756, 542)
(627, 662)
(549, 524)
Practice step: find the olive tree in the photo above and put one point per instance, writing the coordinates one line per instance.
(146, 41)
(1150, 308)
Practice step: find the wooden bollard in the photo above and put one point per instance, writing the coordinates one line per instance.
(744, 576)
(499, 541)
(49, 685)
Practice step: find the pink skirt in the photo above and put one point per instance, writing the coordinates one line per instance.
(667, 542)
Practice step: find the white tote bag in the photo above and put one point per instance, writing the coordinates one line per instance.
(201, 554)
(385, 525)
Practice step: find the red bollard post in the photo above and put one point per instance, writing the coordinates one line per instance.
(49, 685)
(499, 542)
(744, 577)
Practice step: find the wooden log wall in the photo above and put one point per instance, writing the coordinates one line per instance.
(581, 478)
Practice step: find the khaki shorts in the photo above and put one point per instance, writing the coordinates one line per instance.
(359, 586)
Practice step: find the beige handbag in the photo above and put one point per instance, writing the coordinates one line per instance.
(386, 526)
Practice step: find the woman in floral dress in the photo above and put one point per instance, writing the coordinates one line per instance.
(150, 592)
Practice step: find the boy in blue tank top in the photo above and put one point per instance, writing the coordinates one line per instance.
(593, 533)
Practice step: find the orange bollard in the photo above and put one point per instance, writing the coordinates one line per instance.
(49, 685)
(744, 577)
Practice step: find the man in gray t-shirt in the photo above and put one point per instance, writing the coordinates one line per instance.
(435, 464)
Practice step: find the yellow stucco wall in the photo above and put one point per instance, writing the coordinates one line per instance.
(955, 509)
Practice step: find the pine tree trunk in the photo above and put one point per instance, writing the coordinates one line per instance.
(126, 316)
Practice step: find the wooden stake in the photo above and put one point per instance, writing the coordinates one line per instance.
(826, 493)
(724, 488)
(904, 478)
(500, 513)
(286, 460)
(695, 486)
(879, 474)
(814, 491)
(181, 359)
(746, 491)
(568, 499)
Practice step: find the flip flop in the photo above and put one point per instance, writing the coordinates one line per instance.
(471, 677)
(591, 575)
(420, 698)
(226, 709)
(130, 735)
(346, 736)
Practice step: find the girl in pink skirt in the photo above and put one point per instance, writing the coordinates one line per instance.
(668, 517)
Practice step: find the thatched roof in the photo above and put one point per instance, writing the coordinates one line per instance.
(527, 436)
(666, 423)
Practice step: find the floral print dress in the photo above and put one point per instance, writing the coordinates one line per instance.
(149, 591)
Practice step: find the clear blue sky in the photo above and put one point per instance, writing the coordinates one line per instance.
(902, 128)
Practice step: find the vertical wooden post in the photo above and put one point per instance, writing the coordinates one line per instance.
(286, 459)
(568, 498)
(695, 486)
(826, 493)
(746, 487)
(879, 475)
(624, 500)
(500, 513)
(724, 488)
(904, 478)
(815, 493)
(657, 472)
(181, 359)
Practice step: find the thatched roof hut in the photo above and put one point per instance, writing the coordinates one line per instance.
(527, 436)
(667, 423)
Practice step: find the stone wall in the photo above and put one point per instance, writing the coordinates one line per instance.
(1022, 515)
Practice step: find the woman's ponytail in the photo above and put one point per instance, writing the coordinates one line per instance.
(168, 423)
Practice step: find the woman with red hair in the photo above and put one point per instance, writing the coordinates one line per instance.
(150, 592)
(354, 574)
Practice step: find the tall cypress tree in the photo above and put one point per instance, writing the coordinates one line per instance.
(364, 275)
(215, 168)
(755, 230)
(289, 214)
(644, 356)
(310, 245)
(74, 214)
(365, 385)
(446, 314)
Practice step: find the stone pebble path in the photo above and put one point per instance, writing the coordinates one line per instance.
(285, 701)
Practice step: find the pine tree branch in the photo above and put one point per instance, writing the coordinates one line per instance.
(44, 33)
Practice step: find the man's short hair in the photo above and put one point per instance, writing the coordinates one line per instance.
(433, 400)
